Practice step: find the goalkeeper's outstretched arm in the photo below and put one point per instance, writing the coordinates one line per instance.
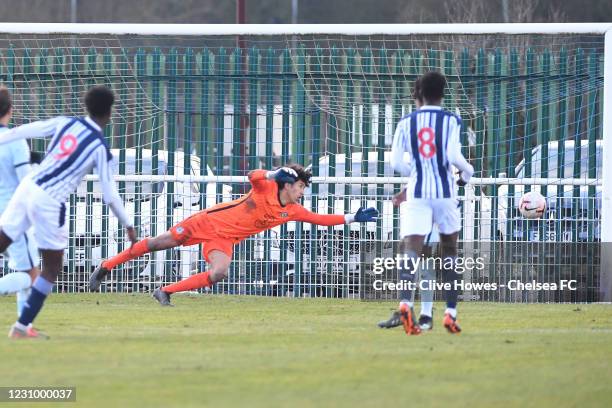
(362, 215)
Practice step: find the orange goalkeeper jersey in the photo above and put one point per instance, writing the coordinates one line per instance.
(259, 210)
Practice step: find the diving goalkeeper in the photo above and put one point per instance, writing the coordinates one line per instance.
(273, 200)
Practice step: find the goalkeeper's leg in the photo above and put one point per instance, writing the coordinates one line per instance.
(160, 242)
(218, 256)
(219, 263)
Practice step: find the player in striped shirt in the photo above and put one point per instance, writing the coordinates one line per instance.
(77, 147)
(430, 136)
(273, 200)
(22, 253)
(427, 272)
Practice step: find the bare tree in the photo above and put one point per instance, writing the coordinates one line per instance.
(519, 11)
(468, 11)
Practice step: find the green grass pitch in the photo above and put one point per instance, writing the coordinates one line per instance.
(124, 350)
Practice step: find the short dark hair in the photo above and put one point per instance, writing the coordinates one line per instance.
(432, 84)
(303, 175)
(99, 100)
(5, 101)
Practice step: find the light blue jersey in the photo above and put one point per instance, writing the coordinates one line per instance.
(12, 156)
(14, 166)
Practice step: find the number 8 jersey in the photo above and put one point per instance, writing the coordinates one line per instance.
(430, 136)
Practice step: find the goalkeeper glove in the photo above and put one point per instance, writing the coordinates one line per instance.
(283, 175)
(363, 215)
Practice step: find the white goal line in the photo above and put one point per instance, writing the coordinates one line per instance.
(353, 180)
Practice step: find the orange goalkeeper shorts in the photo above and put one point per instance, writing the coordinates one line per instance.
(197, 229)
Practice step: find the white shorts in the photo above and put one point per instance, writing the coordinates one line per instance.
(430, 239)
(32, 206)
(418, 216)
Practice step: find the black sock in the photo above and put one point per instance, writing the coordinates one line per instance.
(451, 277)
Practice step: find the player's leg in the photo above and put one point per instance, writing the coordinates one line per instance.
(184, 233)
(427, 274)
(48, 217)
(14, 223)
(415, 225)
(406, 296)
(407, 273)
(163, 241)
(15, 281)
(447, 216)
(449, 255)
(24, 260)
(219, 262)
(395, 319)
(34, 272)
(398, 200)
(41, 288)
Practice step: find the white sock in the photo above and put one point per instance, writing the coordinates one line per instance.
(452, 312)
(410, 304)
(22, 298)
(14, 282)
(426, 308)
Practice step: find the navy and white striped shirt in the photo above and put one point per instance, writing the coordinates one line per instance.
(77, 147)
(430, 136)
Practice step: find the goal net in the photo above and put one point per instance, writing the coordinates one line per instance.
(198, 107)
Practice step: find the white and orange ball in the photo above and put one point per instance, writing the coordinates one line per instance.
(532, 205)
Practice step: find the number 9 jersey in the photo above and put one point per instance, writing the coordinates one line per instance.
(430, 137)
(77, 147)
